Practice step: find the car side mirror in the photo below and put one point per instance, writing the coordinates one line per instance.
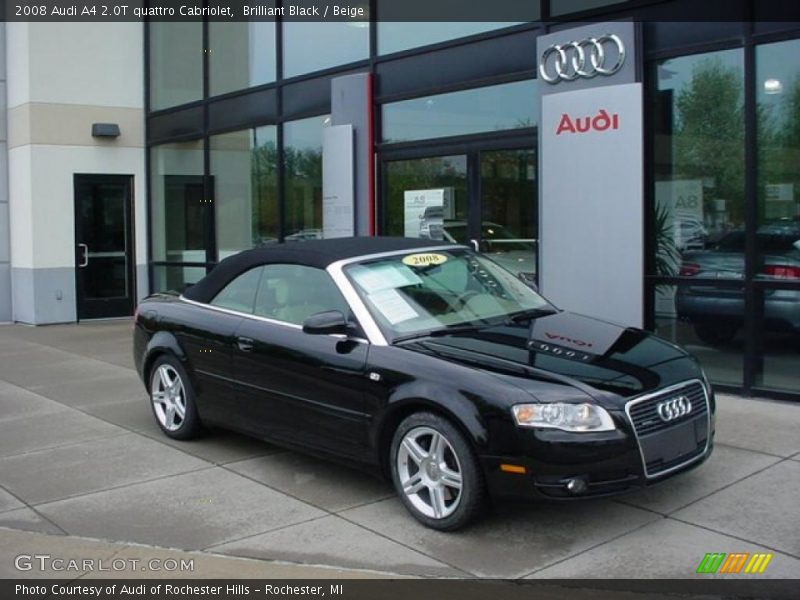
(326, 323)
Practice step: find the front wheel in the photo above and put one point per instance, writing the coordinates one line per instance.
(172, 400)
(435, 472)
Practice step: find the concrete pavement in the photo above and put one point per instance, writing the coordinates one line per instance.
(84, 470)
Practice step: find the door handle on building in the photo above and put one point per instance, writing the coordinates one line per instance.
(85, 258)
(475, 245)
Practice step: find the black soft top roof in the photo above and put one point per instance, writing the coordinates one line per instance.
(313, 253)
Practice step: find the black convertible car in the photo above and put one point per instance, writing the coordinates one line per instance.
(427, 363)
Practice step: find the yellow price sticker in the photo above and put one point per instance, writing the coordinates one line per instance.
(424, 260)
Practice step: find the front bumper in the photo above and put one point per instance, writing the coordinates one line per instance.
(566, 466)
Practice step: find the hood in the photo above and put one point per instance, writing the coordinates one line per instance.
(609, 362)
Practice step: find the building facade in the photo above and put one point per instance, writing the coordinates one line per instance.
(233, 119)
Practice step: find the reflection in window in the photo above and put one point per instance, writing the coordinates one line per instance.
(508, 201)
(334, 43)
(425, 194)
(244, 174)
(302, 159)
(241, 55)
(396, 36)
(495, 108)
(778, 94)
(174, 278)
(178, 208)
(176, 63)
(778, 330)
(699, 165)
(708, 321)
(563, 7)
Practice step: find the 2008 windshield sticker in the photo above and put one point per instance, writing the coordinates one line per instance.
(424, 260)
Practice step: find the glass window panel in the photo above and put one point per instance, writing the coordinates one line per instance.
(396, 36)
(563, 7)
(176, 63)
(292, 293)
(175, 279)
(508, 201)
(423, 194)
(778, 94)
(778, 326)
(241, 55)
(699, 166)
(178, 208)
(495, 108)
(312, 46)
(707, 321)
(240, 294)
(244, 176)
(302, 158)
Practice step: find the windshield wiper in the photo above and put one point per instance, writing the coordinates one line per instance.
(440, 332)
(531, 314)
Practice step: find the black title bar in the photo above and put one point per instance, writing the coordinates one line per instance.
(359, 11)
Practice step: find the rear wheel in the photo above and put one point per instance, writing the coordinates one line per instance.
(436, 473)
(172, 400)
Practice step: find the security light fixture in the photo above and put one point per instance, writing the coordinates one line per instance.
(105, 130)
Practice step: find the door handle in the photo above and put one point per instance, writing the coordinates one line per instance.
(85, 261)
(244, 344)
(475, 245)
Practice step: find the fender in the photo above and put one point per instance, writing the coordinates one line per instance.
(416, 395)
(160, 342)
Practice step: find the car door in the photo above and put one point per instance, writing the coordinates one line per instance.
(296, 387)
(208, 340)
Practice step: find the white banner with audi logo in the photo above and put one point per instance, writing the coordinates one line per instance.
(591, 206)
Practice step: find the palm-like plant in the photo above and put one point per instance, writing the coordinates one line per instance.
(667, 254)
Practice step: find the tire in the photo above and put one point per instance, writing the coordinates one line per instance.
(436, 500)
(172, 399)
(716, 334)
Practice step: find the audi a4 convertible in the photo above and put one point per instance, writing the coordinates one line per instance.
(427, 363)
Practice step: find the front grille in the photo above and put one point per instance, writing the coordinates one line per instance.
(644, 413)
(666, 446)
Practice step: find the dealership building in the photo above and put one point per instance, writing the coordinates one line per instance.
(637, 165)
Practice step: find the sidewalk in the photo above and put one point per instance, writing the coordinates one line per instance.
(85, 471)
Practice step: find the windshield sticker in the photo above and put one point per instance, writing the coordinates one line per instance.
(393, 306)
(381, 277)
(424, 260)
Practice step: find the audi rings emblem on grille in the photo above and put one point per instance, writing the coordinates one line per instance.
(672, 409)
(586, 58)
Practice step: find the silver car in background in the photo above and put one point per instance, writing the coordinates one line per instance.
(717, 312)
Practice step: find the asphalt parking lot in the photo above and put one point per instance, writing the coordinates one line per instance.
(83, 465)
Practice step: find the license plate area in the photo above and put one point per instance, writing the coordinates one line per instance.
(670, 448)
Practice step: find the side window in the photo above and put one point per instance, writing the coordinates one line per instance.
(240, 294)
(292, 293)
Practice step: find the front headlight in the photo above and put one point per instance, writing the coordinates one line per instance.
(569, 417)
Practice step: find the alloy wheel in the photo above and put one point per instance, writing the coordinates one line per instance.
(169, 397)
(430, 472)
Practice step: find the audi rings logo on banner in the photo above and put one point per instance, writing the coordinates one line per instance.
(586, 58)
(669, 410)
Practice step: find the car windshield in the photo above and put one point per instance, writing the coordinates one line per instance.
(440, 291)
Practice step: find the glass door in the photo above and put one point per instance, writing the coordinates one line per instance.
(485, 198)
(103, 251)
(427, 197)
(508, 230)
